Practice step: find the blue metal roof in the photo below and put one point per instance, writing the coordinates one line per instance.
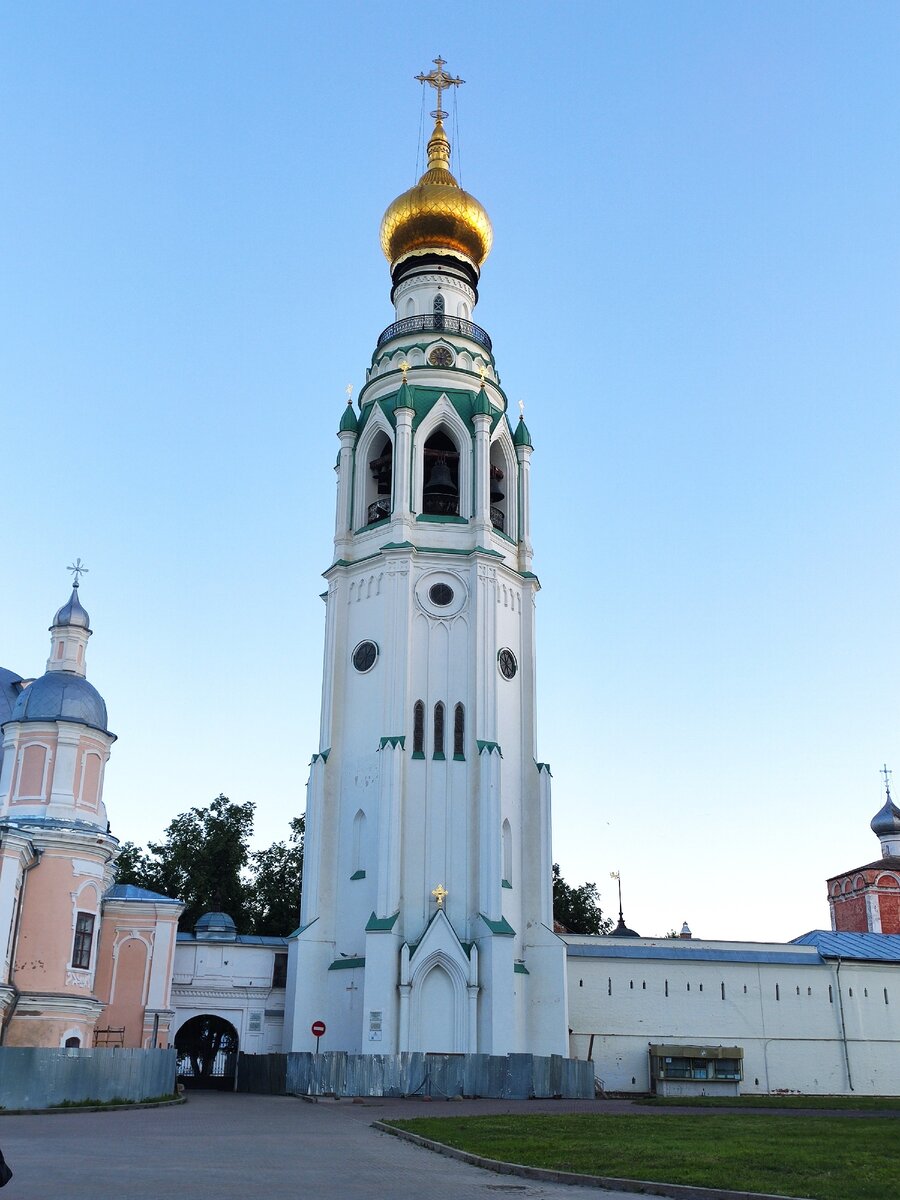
(684, 951)
(129, 891)
(241, 939)
(867, 947)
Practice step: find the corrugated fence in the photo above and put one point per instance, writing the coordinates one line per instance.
(34, 1077)
(335, 1073)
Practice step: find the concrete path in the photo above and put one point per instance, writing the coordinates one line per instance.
(230, 1147)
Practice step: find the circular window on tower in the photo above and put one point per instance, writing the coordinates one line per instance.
(364, 656)
(440, 594)
(440, 356)
(506, 661)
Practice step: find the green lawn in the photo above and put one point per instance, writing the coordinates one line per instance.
(822, 1158)
(861, 1103)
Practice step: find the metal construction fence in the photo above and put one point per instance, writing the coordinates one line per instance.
(37, 1077)
(335, 1073)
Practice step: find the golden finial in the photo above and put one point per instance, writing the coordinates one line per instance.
(349, 390)
(440, 81)
(440, 894)
(521, 410)
(482, 372)
(404, 367)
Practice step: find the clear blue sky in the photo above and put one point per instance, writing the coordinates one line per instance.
(694, 289)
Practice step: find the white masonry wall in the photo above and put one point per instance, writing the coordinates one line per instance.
(805, 1026)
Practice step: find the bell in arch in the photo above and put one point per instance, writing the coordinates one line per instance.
(440, 481)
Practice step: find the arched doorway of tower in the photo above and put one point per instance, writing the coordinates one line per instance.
(206, 1053)
(439, 1008)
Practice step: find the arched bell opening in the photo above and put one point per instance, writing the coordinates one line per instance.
(440, 493)
(379, 481)
(500, 483)
(206, 1049)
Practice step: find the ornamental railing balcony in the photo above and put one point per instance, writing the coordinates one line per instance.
(497, 518)
(436, 323)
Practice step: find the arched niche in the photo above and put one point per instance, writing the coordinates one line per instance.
(374, 472)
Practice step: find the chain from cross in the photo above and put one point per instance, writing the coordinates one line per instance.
(440, 81)
(887, 779)
(78, 569)
(440, 894)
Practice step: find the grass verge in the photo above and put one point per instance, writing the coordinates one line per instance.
(820, 1158)
(856, 1103)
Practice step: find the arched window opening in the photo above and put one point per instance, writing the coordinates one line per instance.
(410, 307)
(500, 485)
(438, 730)
(73, 1043)
(438, 309)
(418, 729)
(440, 495)
(459, 732)
(506, 837)
(381, 468)
(359, 846)
(84, 937)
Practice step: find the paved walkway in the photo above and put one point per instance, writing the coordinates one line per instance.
(222, 1146)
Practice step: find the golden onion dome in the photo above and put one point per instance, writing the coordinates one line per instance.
(436, 214)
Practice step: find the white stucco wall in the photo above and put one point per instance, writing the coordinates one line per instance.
(781, 1003)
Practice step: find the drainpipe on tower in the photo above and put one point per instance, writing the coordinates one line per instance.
(843, 1025)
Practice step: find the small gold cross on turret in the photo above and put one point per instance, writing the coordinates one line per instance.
(440, 81)
(440, 893)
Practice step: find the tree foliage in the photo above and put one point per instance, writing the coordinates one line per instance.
(205, 860)
(577, 909)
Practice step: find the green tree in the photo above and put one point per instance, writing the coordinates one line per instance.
(577, 909)
(201, 861)
(274, 890)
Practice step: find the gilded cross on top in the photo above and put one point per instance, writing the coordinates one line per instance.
(440, 894)
(440, 81)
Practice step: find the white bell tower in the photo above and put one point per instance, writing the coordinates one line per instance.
(426, 918)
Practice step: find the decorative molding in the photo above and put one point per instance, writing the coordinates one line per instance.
(77, 978)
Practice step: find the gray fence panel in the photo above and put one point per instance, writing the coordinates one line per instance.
(264, 1074)
(41, 1077)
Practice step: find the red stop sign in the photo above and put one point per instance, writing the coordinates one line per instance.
(318, 1028)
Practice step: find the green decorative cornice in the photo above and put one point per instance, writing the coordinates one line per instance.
(381, 924)
(323, 754)
(520, 969)
(501, 928)
(357, 875)
(394, 740)
(422, 400)
(488, 747)
(347, 964)
(543, 767)
(398, 546)
(522, 437)
(504, 883)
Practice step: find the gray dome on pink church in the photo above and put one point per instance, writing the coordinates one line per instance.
(61, 696)
(72, 612)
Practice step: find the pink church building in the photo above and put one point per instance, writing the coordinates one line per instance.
(83, 961)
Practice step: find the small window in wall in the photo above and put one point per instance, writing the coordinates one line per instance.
(418, 729)
(506, 839)
(84, 936)
(459, 732)
(73, 1043)
(438, 730)
(279, 971)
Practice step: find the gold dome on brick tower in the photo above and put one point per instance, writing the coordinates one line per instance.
(437, 215)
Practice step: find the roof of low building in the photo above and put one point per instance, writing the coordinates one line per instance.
(690, 950)
(239, 939)
(130, 891)
(862, 947)
(890, 862)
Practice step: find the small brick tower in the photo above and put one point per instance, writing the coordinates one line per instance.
(867, 899)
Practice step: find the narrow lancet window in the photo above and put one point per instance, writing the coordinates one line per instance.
(459, 732)
(419, 729)
(439, 730)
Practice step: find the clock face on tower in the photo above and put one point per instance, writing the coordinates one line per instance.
(364, 656)
(506, 661)
(440, 356)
